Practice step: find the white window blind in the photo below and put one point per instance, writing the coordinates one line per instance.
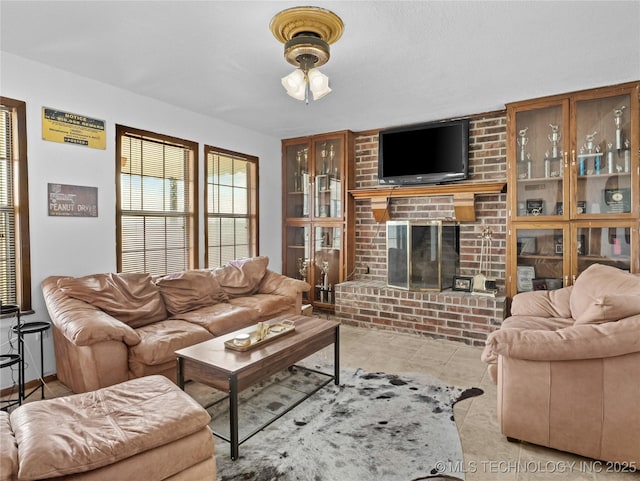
(15, 259)
(156, 227)
(231, 206)
(8, 281)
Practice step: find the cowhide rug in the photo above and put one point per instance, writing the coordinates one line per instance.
(372, 427)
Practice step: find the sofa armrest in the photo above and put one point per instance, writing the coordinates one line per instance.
(554, 303)
(581, 341)
(274, 283)
(81, 323)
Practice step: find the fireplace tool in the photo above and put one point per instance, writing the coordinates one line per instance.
(482, 284)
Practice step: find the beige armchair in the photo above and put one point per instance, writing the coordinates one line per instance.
(567, 365)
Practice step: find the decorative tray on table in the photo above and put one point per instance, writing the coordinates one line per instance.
(270, 332)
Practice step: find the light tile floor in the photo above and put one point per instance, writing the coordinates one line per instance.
(488, 456)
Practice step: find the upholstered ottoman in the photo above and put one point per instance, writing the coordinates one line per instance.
(143, 429)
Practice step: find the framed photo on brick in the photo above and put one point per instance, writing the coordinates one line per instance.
(462, 283)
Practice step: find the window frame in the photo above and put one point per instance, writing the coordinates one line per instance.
(22, 244)
(193, 211)
(253, 203)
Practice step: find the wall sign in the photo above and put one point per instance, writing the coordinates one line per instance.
(68, 128)
(72, 200)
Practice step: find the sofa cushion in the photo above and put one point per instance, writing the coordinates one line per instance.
(8, 449)
(132, 298)
(82, 432)
(554, 303)
(160, 340)
(189, 290)
(242, 277)
(267, 305)
(603, 294)
(221, 318)
(274, 283)
(536, 323)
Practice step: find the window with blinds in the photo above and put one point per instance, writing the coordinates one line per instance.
(15, 276)
(231, 206)
(156, 212)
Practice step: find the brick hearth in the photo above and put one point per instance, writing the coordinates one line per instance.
(458, 316)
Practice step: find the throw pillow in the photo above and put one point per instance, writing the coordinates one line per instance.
(242, 277)
(603, 293)
(190, 290)
(132, 298)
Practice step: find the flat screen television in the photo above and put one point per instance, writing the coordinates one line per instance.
(430, 153)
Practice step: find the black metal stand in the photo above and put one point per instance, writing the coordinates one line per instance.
(11, 359)
(22, 330)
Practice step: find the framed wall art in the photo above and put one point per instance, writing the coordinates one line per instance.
(72, 200)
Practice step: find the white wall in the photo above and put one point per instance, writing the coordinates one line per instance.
(80, 246)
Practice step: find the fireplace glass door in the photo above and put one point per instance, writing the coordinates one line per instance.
(422, 256)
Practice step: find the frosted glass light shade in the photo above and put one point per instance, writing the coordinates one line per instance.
(295, 84)
(319, 83)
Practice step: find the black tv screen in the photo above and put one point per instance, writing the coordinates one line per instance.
(431, 153)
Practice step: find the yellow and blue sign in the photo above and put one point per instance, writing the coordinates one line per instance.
(68, 128)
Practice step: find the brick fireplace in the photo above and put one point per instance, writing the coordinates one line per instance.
(366, 301)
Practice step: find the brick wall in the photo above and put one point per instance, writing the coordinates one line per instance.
(366, 301)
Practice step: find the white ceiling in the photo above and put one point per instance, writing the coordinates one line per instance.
(398, 62)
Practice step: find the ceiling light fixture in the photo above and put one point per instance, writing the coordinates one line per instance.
(306, 33)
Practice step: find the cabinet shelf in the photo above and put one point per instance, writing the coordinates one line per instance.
(537, 180)
(604, 175)
(612, 259)
(557, 257)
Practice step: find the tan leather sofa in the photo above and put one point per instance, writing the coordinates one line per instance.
(567, 365)
(108, 328)
(143, 429)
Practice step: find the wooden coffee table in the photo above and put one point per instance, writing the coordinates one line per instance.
(211, 363)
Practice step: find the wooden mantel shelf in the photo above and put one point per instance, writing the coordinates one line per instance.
(463, 196)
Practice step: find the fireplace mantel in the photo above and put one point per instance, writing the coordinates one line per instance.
(463, 196)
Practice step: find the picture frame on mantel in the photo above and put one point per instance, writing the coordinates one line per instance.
(462, 283)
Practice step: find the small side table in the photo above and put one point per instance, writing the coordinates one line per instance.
(12, 358)
(7, 360)
(33, 328)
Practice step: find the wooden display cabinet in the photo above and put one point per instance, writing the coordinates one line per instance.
(572, 165)
(317, 209)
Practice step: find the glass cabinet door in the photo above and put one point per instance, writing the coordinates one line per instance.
(541, 260)
(603, 243)
(603, 167)
(326, 262)
(297, 180)
(541, 164)
(328, 175)
(297, 253)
